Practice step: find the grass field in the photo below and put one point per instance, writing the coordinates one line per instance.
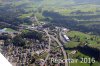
(92, 40)
(25, 15)
(78, 56)
(73, 43)
(9, 30)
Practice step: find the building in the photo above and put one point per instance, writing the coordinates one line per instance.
(1, 42)
(66, 37)
(65, 29)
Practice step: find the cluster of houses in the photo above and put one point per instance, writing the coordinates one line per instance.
(5, 32)
(23, 56)
(20, 56)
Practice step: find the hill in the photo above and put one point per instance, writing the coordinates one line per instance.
(75, 14)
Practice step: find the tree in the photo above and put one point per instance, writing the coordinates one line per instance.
(4, 37)
(32, 35)
(18, 41)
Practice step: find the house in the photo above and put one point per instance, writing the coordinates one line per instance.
(1, 42)
(73, 52)
(65, 29)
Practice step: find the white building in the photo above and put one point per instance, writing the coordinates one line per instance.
(1, 42)
(66, 38)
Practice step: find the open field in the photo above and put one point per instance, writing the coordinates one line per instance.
(77, 37)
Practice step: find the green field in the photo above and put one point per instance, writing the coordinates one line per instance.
(79, 62)
(77, 37)
(74, 43)
(9, 30)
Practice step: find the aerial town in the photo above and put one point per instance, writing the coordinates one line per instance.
(49, 32)
(35, 52)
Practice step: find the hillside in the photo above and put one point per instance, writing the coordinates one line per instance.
(75, 14)
(58, 2)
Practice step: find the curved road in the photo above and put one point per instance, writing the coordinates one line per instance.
(59, 43)
(48, 49)
(64, 53)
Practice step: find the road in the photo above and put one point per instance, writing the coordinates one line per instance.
(64, 53)
(59, 43)
(61, 38)
(48, 49)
